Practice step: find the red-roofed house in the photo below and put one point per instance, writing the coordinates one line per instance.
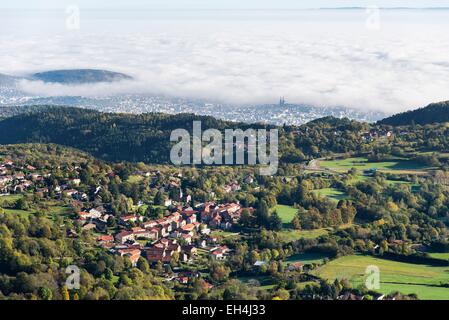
(132, 254)
(105, 239)
(124, 236)
(130, 218)
(187, 238)
(188, 228)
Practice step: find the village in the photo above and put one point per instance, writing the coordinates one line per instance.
(181, 240)
(176, 237)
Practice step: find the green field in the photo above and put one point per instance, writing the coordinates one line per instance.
(10, 198)
(306, 258)
(398, 182)
(223, 234)
(293, 235)
(332, 193)
(441, 155)
(266, 282)
(424, 292)
(302, 285)
(360, 163)
(442, 256)
(359, 178)
(50, 208)
(286, 213)
(16, 211)
(6, 200)
(407, 278)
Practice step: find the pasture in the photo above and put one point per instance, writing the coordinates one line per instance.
(407, 278)
(332, 193)
(50, 207)
(441, 256)
(286, 236)
(286, 213)
(262, 282)
(360, 163)
(306, 258)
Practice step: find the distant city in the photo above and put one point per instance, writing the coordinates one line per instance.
(276, 114)
(12, 96)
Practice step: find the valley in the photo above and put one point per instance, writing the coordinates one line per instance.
(150, 229)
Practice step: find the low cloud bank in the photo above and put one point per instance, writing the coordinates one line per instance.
(401, 66)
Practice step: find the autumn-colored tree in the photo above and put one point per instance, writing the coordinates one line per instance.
(65, 293)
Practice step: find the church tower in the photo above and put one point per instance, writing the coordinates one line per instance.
(282, 101)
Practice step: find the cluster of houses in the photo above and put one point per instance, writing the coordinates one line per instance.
(177, 236)
(222, 216)
(95, 218)
(233, 187)
(15, 178)
(374, 134)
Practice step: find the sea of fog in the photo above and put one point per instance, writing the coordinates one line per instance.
(388, 60)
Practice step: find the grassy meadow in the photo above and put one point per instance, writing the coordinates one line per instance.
(49, 207)
(361, 163)
(293, 235)
(306, 258)
(408, 278)
(332, 193)
(286, 213)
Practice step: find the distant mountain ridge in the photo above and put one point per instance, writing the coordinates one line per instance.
(79, 76)
(68, 76)
(433, 113)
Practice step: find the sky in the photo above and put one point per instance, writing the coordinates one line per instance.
(221, 4)
(391, 60)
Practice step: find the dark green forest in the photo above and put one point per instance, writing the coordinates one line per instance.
(433, 113)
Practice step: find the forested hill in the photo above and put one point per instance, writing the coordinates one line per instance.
(433, 113)
(109, 136)
(146, 137)
(11, 111)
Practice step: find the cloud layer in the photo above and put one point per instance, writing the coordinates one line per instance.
(319, 58)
